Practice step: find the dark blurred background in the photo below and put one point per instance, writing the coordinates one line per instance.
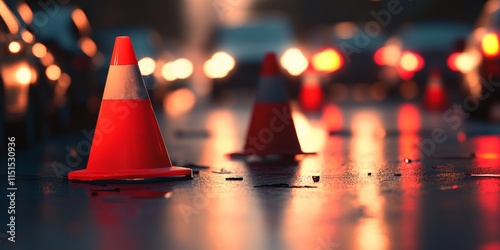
(55, 54)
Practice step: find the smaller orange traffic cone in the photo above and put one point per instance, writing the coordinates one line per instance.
(435, 97)
(311, 92)
(127, 143)
(272, 131)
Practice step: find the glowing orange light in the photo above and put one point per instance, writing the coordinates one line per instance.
(179, 102)
(53, 72)
(27, 36)
(81, 21)
(408, 119)
(411, 62)
(48, 59)
(332, 117)
(9, 18)
(39, 50)
(88, 46)
(387, 55)
(490, 45)
(25, 12)
(14, 47)
(294, 61)
(487, 147)
(23, 75)
(219, 65)
(328, 60)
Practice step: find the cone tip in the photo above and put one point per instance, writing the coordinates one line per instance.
(270, 65)
(123, 52)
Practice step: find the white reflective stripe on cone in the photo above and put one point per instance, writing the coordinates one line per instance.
(124, 82)
(271, 89)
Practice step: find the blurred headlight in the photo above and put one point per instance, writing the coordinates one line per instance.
(182, 68)
(328, 60)
(411, 62)
(14, 47)
(147, 66)
(294, 61)
(219, 65)
(489, 45)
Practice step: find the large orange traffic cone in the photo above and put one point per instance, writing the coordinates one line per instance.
(127, 143)
(435, 97)
(311, 92)
(271, 131)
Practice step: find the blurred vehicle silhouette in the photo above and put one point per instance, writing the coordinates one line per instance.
(239, 49)
(342, 55)
(418, 48)
(343, 49)
(480, 63)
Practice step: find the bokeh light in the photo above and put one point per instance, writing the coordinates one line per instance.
(147, 66)
(23, 75)
(183, 68)
(294, 61)
(14, 47)
(328, 60)
(53, 72)
(489, 45)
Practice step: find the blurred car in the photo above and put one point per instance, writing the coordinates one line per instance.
(420, 48)
(480, 63)
(239, 50)
(339, 53)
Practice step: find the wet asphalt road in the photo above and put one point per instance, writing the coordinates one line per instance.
(367, 196)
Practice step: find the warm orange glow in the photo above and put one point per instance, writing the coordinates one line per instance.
(48, 59)
(88, 46)
(328, 60)
(9, 18)
(167, 71)
(39, 50)
(27, 36)
(487, 147)
(387, 55)
(179, 102)
(219, 65)
(147, 66)
(411, 61)
(462, 62)
(81, 21)
(408, 119)
(53, 72)
(490, 45)
(64, 81)
(183, 68)
(25, 12)
(23, 75)
(14, 47)
(332, 117)
(312, 138)
(367, 152)
(294, 61)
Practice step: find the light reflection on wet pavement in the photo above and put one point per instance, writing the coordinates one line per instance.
(367, 197)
